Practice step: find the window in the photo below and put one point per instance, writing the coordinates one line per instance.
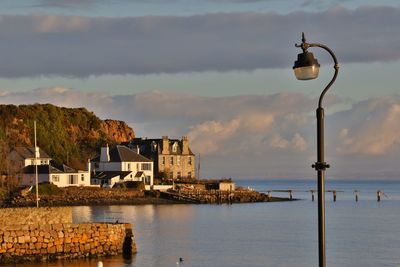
(171, 160)
(32, 162)
(56, 178)
(175, 147)
(179, 174)
(146, 167)
(129, 166)
(178, 160)
(189, 175)
(190, 160)
(73, 179)
(82, 177)
(137, 166)
(163, 160)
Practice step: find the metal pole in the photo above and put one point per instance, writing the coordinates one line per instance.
(320, 167)
(36, 168)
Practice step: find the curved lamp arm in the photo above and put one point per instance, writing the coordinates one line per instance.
(336, 67)
(304, 45)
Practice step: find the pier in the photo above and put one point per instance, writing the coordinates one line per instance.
(379, 193)
(219, 196)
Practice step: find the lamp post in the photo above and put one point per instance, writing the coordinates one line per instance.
(307, 68)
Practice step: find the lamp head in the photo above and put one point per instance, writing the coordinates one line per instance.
(306, 67)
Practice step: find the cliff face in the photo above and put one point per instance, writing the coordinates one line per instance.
(118, 131)
(68, 135)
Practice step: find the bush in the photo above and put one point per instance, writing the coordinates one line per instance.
(135, 185)
(47, 189)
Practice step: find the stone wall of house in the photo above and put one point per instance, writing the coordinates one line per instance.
(46, 215)
(183, 164)
(41, 239)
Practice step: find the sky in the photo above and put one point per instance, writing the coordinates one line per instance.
(219, 72)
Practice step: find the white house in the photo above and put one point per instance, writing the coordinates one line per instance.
(60, 175)
(120, 164)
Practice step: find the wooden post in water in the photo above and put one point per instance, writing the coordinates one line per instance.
(378, 195)
(334, 195)
(290, 195)
(312, 195)
(356, 192)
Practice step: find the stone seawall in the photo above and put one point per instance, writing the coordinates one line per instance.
(46, 215)
(40, 241)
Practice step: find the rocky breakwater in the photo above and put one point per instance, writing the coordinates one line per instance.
(69, 196)
(40, 237)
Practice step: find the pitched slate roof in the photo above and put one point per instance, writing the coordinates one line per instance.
(29, 152)
(47, 169)
(123, 154)
(145, 146)
(138, 174)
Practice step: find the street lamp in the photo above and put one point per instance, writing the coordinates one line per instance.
(306, 68)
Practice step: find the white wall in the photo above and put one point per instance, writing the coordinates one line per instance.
(133, 167)
(107, 166)
(40, 161)
(59, 179)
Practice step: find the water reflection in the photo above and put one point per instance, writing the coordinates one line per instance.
(263, 234)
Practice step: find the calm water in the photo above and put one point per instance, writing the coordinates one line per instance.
(365, 233)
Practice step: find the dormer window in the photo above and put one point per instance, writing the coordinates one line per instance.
(153, 146)
(175, 147)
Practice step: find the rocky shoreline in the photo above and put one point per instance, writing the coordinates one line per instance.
(86, 196)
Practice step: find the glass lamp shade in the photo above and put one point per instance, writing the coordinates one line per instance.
(306, 73)
(306, 67)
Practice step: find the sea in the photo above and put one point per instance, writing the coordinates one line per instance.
(362, 233)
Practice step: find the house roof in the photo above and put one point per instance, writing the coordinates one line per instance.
(124, 154)
(29, 152)
(47, 169)
(109, 175)
(139, 174)
(146, 146)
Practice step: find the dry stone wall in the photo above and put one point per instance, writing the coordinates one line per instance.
(41, 241)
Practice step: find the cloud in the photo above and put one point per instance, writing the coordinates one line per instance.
(370, 128)
(35, 45)
(252, 135)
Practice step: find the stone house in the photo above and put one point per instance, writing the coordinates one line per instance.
(120, 164)
(172, 158)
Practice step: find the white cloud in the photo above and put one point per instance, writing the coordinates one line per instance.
(372, 127)
(252, 135)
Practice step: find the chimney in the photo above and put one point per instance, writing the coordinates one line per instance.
(138, 149)
(165, 145)
(105, 154)
(185, 145)
(88, 166)
(37, 153)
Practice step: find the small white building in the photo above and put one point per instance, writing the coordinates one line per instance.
(120, 164)
(60, 175)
